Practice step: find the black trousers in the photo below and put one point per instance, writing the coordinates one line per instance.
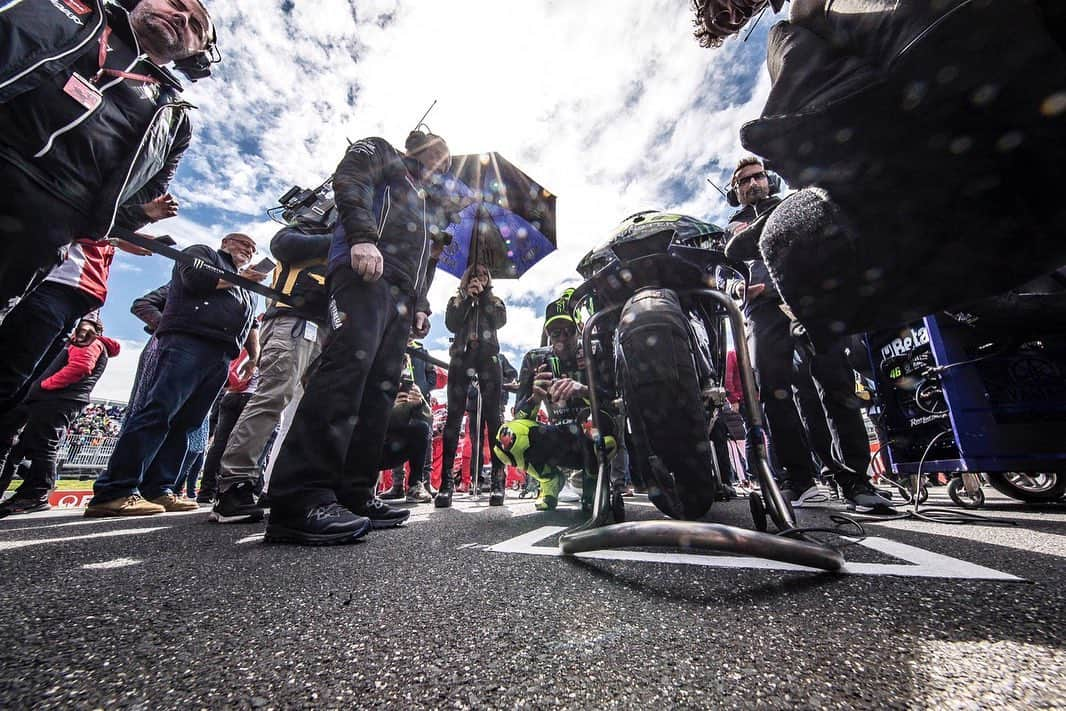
(33, 333)
(490, 380)
(45, 423)
(410, 442)
(230, 406)
(333, 449)
(773, 348)
(35, 229)
(553, 447)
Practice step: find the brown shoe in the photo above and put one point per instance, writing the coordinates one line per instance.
(172, 503)
(128, 506)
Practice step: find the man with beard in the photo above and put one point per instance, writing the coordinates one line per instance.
(205, 321)
(553, 376)
(321, 490)
(51, 405)
(92, 125)
(773, 346)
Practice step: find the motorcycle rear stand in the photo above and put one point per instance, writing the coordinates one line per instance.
(597, 534)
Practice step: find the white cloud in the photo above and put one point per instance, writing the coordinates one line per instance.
(602, 102)
(117, 380)
(612, 106)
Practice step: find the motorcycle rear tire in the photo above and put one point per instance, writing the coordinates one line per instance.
(1052, 491)
(663, 401)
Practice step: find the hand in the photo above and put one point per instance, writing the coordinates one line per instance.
(245, 370)
(566, 388)
(474, 288)
(542, 380)
(414, 394)
(421, 325)
(252, 275)
(754, 290)
(367, 261)
(161, 208)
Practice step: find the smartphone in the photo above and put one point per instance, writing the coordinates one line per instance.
(166, 239)
(265, 267)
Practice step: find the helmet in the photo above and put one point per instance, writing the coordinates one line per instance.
(687, 231)
(512, 442)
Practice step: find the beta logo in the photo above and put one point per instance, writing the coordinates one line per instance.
(905, 343)
(506, 439)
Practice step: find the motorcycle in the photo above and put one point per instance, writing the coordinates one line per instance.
(654, 344)
(659, 342)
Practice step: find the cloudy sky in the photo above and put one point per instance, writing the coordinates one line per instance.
(613, 106)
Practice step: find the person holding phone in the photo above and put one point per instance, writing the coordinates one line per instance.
(205, 322)
(553, 376)
(474, 315)
(34, 332)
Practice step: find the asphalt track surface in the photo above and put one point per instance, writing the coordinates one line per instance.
(172, 611)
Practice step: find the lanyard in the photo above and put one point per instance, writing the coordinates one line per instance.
(104, 71)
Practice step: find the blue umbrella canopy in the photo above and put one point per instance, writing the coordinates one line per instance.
(507, 223)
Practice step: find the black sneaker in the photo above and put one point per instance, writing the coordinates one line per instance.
(13, 507)
(237, 505)
(862, 497)
(327, 525)
(396, 493)
(382, 515)
(205, 497)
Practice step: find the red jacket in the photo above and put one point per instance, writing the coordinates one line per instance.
(86, 268)
(81, 364)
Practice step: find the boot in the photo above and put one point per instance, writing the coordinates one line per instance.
(499, 487)
(397, 491)
(443, 499)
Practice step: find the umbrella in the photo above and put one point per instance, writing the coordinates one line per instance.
(507, 223)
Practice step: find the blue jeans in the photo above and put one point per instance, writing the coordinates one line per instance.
(190, 473)
(149, 453)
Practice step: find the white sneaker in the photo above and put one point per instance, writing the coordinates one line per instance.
(569, 494)
(812, 496)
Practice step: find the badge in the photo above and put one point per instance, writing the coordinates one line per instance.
(311, 331)
(81, 90)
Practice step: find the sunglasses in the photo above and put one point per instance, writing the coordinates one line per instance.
(741, 182)
(561, 333)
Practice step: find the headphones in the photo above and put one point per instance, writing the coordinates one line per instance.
(198, 66)
(771, 177)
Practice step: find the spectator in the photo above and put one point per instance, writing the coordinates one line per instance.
(406, 412)
(33, 332)
(292, 339)
(474, 315)
(323, 481)
(149, 309)
(409, 440)
(238, 391)
(54, 74)
(193, 464)
(50, 407)
(204, 323)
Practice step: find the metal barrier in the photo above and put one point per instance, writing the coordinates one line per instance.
(86, 451)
